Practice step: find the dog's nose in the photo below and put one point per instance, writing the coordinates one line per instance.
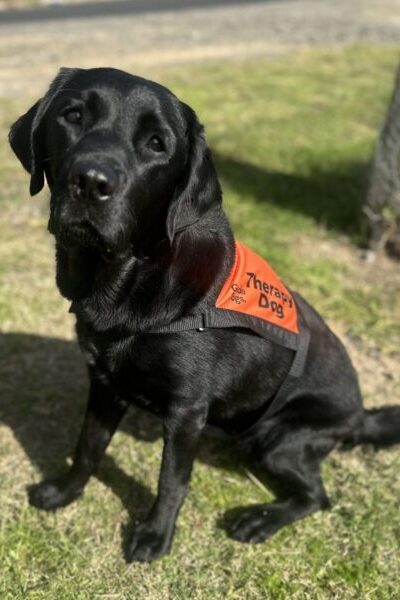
(89, 181)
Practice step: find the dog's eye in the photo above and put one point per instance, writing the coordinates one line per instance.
(73, 115)
(155, 144)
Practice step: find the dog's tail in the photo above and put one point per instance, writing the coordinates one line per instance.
(380, 427)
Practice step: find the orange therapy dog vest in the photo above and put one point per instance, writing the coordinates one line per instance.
(254, 298)
(253, 290)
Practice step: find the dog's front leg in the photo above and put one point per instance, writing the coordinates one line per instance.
(152, 538)
(102, 417)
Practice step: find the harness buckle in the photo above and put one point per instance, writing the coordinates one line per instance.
(203, 323)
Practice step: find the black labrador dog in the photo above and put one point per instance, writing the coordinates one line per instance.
(142, 242)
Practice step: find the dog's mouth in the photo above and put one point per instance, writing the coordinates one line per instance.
(80, 234)
(83, 235)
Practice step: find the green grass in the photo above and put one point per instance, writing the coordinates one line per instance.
(292, 138)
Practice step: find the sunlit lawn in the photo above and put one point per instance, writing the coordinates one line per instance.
(292, 138)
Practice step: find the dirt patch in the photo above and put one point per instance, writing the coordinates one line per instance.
(378, 268)
(379, 373)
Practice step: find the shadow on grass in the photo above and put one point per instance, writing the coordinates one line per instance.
(43, 387)
(331, 198)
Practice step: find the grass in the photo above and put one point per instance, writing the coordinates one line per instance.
(292, 138)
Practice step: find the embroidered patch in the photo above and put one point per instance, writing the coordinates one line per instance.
(253, 288)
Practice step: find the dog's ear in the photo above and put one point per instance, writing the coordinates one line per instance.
(25, 142)
(27, 135)
(199, 189)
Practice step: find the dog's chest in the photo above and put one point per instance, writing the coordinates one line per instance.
(104, 356)
(123, 365)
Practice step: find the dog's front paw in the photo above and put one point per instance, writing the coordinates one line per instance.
(148, 543)
(52, 494)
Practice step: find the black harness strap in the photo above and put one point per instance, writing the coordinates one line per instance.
(220, 319)
(296, 370)
(184, 324)
(214, 318)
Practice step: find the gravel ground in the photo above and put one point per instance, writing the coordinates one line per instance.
(30, 53)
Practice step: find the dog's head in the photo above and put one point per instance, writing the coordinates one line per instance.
(126, 162)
